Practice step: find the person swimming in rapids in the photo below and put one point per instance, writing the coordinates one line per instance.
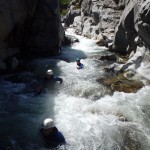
(79, 64)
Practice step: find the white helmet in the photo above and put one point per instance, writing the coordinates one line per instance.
(49, 72)
(48, 123)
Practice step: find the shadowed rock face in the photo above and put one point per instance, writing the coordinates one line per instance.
(29, 26)
(144, 22)
(135, 21)
(45, 33)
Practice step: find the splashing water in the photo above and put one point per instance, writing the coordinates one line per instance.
(88, 117)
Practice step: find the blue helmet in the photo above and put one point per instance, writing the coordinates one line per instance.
(77, 59)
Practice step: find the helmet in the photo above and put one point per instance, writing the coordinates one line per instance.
(48, 123)
(77, 59)
(49, 72)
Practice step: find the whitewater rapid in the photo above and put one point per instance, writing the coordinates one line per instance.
(88, 117)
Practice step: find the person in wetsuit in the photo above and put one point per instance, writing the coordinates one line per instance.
(48, 81)
(50, 77)
(79, 64)
(52, 137)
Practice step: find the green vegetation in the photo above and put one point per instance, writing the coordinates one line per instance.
(64, 5)
(63, 12)
(77, 7)
(64, 2)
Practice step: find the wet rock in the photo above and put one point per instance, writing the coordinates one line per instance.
(128, 75)
(139, 62)
(108, 41)
(122, 118)
(108, 58)
(121, 84)
(105, 42)
(109, 69)
(72, 13)
(122, 59)
(101, 40)
(130, 141)
(69, 40)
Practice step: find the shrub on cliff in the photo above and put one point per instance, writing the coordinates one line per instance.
(64, 5)
(63, 2)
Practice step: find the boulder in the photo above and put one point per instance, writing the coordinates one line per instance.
(121, 84)
(45, 32)
(72, 13)
(31, 26)
(143, 22)
(69, 40)
(125, 32)
(78, 25)
(101, 40)
(95, 17)
(133, 22)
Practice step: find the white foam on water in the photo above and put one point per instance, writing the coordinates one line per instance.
(90, 124)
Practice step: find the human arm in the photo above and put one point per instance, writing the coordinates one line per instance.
(58, 79)
(80, 66)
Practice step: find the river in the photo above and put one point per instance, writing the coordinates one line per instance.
(82, 109)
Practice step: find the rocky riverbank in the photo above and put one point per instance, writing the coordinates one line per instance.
(30, 29)
(123, 27)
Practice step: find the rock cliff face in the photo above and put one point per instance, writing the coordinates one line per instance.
(132, 37)
(29, 26)
(134, 22)
(126, 18)
(93, 17)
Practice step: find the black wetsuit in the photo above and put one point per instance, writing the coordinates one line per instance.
(79, 66)
(54, 140)
(53, 79)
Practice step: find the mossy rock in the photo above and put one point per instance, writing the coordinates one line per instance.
(121, 84)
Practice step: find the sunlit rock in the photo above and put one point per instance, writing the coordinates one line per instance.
(121, 84)
(96, 17)
(69, 40)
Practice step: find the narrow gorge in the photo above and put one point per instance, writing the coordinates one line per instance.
(103, 106)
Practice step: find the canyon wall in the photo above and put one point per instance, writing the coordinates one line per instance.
(27, 28)
(121, 25)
